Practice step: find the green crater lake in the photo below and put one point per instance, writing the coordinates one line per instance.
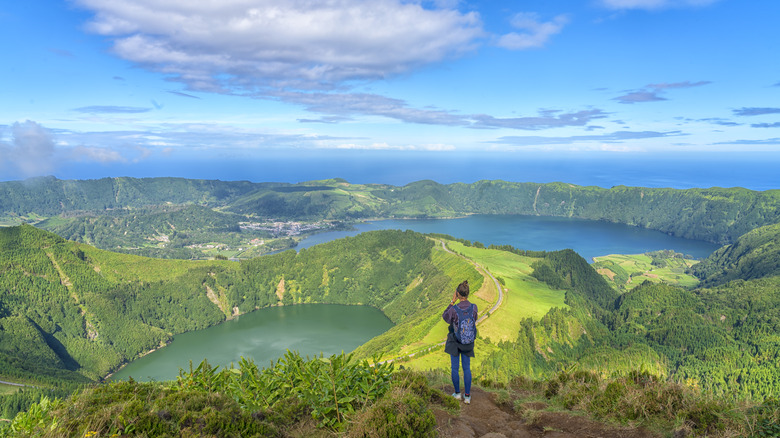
(263, 335)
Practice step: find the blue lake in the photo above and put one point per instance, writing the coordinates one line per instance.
(588, 238)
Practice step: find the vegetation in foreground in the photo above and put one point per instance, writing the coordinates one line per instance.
(640, 399)
(339, 396)
(292, 397)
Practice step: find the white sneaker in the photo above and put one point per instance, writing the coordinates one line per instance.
(456, 396)
(467, 399)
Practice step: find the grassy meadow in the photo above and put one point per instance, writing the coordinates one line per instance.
(8, 389)
(524, 297)
(627, 271)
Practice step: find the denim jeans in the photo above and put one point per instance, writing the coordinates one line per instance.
(466, 372)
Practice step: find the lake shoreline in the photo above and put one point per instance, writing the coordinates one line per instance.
(290, 308)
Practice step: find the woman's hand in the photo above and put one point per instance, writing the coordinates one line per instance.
(455, 297)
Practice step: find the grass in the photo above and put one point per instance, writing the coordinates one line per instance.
(126, 267)
(8, 389)
(643, 399)
(331, 397)
(437, 359)
(455, 267)
(628, 271)
(14, 220)
(524, 297)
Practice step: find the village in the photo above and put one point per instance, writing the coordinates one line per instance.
(291, 228)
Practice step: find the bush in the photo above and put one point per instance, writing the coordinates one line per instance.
(146, 409)
(332, 388)
(244, 401)
(401, 413)
(552, 388)
(766, 418)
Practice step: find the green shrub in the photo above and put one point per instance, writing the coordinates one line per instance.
(404, 411)
(36, 421)
(553, 386)
(766, 418)
(401, 413)
(331, 388)
(609, 400)
(145, 409)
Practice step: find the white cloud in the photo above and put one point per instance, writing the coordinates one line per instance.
(607, 147)
(247, 46)
(385, 146)
(437, 147)
(533, 32)
(547, 119)
(617, 137)
(653, 4)
(30, 151)
(345, 105)
(652, 92)
(33, 150)
(100, 155)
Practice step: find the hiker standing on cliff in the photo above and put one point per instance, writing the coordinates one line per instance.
(462, 319)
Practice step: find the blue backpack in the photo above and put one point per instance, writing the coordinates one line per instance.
(466, 330)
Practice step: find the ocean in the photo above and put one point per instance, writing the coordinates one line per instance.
(755, 171)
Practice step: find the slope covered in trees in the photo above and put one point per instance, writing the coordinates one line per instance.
(717, 215)
(723, 339)
(71, 311)
(754, 255)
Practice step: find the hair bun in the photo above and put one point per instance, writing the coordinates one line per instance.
(463, 289)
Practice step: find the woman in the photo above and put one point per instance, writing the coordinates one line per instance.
(462, 319)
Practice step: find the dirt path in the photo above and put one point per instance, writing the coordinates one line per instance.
(483, 418)
(484, 272)
(12, 383)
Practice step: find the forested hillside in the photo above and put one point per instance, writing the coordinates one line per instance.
(717, 215)
(71, 311)
(723, 340)
(49, 196)
(754, 255)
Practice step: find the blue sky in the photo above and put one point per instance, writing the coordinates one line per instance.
(93, 88)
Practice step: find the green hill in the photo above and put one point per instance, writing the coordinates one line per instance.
(723, 340)
(754, 255)
(716, 214)
(49, 196)
(72, 311)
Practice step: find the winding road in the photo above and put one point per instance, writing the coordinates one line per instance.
(481, 269)
(484, 314)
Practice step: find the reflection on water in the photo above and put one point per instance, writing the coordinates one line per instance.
(264, 335)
